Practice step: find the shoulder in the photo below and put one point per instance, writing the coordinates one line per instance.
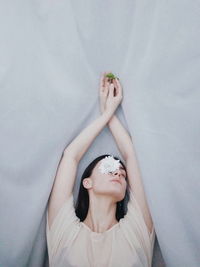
(135, 229)
(63, 228)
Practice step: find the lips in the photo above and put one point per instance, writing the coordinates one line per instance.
(115, 180)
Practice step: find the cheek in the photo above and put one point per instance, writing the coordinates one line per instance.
(125, 185)
(101, 183)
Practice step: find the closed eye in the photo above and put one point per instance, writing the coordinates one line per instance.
(122, 168)
(124, 176)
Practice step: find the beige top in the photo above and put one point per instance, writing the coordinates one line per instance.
(72, 243)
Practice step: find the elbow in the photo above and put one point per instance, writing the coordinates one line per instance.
(69, 154)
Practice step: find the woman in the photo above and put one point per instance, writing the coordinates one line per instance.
(98, 231)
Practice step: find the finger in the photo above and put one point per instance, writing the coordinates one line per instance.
(107, 82)
(111, 90)
(119, 87)
(108, 79)
(115, 85)
(106, 86)
(118, 83)
(106, 91)
(116, 90)
(102, 80)
(102, 83)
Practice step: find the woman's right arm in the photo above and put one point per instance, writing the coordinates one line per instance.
(66, 171)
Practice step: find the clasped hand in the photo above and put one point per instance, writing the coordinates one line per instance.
(110, 94)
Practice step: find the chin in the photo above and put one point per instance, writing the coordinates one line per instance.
(117, 194)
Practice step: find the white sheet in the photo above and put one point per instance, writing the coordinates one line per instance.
(51, 57)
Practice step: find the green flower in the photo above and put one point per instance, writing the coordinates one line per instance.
(111, 76)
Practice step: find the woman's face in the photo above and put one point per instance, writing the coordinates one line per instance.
(113, 183)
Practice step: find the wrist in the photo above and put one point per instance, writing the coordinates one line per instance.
(107, 114)
(111, 121)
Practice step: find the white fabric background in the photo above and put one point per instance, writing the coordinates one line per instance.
(51, 56)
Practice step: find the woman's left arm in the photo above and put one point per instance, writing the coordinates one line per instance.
(125, 145)
(126, 148)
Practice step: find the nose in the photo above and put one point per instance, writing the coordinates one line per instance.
(117, 172)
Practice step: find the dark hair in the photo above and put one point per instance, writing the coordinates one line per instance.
(82, 203)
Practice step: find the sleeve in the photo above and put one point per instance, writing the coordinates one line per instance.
(62, 229)
(136, 231)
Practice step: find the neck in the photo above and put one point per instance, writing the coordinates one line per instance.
(101, 213)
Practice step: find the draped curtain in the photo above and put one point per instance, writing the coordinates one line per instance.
(51, 56)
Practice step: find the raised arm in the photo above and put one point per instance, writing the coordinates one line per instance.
(125, 145)
(66, 171)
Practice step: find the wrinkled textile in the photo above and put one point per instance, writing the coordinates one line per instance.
(51, 56)
(72, 243)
